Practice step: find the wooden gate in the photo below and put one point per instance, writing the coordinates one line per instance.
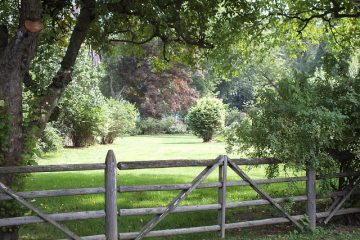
(113, 215)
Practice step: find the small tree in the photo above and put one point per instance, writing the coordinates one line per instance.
(121, 119)
(207, 117)
(81, 105)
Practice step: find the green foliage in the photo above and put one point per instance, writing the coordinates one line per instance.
(173, 125)
(236, 92)
(289, 124)
(305, 123)
(157, 89)
(206, 117)
(51, 140)
(150, 126)
(120, 119)
(81, 106)
(232, 116)
(167, 125)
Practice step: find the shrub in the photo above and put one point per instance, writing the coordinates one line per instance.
(178, 127)
(150, 126)
(168, 125)
(310, 123)
(120, 120)
(51, 141)
(83, 116)
(81, 106)
(86, 125)
(206, 117)
(172, 125)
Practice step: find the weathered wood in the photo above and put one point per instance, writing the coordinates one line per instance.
(94, 237)
(311, 198)
(342, 201)
(55, 193)
(263, 194)
(214, 228)
(52, 168)
(337, 200)
(190, 163)
(272, 221)
(177, 200)
(42, 215)
(169, 187)
(111, 230)
(192, 208)
(60, 217)
(143, 211)
(222, 197)
(172, 232)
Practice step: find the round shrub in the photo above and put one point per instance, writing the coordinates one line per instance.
(206, 117)
(121, 119)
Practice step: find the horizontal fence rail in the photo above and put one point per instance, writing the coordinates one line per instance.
(111, 213)
(70, 216)
(52, 168)
(214, 228)
(55, 193)
(169, 187)
(191, 163)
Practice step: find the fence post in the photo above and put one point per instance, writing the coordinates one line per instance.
(111, 230)
(311, 198)
(222, 196)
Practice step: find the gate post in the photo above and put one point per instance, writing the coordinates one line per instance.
(222, 196)
(111, 231)
(311, 198)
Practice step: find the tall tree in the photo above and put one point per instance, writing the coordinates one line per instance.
(68, 24)
(155, 91)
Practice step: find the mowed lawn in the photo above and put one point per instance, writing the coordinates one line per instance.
(156, 148)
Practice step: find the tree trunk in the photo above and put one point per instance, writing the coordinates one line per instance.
(207, 137)
(15, 58)
(45, 105)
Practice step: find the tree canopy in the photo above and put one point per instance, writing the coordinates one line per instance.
(56, 30)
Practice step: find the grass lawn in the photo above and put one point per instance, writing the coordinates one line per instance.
(156, 148)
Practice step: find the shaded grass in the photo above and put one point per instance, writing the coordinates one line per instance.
(141, 199)
(148, 148)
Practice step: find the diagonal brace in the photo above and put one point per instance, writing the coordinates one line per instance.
(263, 194)
(338, 203)
(181, 196)
(42, 215)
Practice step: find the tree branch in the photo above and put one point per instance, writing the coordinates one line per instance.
(49, 100)
(133, 41)
(332, 11)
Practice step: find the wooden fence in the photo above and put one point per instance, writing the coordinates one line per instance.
(113, 215)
